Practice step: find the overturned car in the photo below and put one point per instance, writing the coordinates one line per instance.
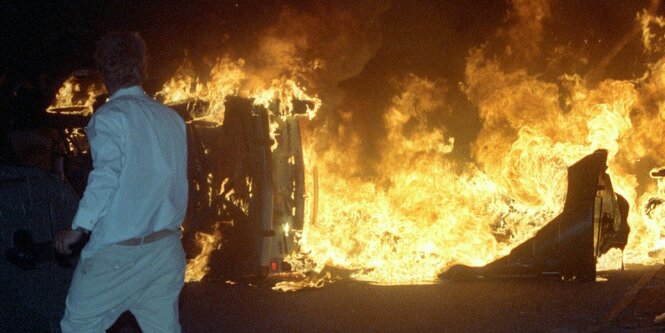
(594, 220)
(246, 185)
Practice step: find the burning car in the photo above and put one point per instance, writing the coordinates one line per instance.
(247, 188)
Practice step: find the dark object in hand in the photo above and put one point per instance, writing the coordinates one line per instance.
(26, 254)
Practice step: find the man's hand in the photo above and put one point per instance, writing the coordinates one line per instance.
(66, 237)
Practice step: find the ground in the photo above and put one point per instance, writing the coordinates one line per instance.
(621, 301)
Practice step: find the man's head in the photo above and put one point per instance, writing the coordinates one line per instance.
(121, 59)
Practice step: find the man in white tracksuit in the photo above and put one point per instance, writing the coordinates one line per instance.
(133, 204)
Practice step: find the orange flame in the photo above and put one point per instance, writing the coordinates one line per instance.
(68, 100)
(425, 211)
(197, 267)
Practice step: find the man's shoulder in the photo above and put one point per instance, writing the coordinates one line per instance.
(110, 110)
(126, 103)
(126, 106)
(169, 110)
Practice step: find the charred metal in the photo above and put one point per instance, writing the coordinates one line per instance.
(594, 220)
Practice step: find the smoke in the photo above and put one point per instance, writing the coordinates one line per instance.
(524, 33)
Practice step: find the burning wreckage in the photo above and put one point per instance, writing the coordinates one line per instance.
(246, 188)
(247, 195)
(261, 202)
(594, 220)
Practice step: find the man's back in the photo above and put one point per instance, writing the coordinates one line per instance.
(143, 145)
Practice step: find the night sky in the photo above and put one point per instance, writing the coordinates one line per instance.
(57, 37)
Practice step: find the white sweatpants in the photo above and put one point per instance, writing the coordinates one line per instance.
(144, 279)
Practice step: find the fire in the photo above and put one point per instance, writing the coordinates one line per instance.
(412, 207)
(421, 212)
(424, 211)
(197, 267)
(71, 100)
(227, 78)
(232, 78)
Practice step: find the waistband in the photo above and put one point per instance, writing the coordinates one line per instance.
(155, 236)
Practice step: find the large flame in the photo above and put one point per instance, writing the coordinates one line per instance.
(424, 211)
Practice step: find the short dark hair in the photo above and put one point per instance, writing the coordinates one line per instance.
(121, 57)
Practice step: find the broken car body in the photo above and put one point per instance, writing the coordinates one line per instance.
(594, 219)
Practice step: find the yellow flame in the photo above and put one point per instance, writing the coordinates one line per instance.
(231, 78)
(69, 101)
(425, 211)
(197, 267)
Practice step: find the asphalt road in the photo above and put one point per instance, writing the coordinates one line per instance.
(525, 305)
(626, 301)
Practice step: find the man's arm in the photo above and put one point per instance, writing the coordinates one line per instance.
(105, 134)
